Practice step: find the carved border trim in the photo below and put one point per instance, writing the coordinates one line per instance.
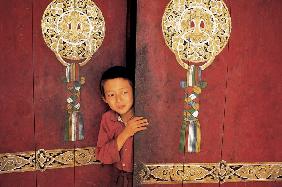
(208, 172)
(166, 173)
(46, 159)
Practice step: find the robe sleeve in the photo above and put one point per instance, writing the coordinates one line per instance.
(106, 150)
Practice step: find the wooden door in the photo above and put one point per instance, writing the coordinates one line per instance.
(239, 109)
(33, 151)
(17, 113)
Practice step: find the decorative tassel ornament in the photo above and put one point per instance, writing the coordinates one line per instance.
(74, 120)
(190, 133)
(74, 31)
(196, 31)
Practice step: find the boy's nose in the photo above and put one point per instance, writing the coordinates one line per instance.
(118, 98)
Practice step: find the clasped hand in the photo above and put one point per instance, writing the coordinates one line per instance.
(135, 125)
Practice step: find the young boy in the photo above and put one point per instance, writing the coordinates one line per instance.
(118, 125)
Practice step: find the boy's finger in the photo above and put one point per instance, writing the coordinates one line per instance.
(136, 119)
(141, 129)
(143, 121)
(142, 125)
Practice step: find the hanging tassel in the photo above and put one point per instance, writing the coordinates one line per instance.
(67, 136)
(190, 141)
(194, 138)
(191, 137)
(183, 135)
(74, 120)
(68, 73)
(198, 136)
(80, 127)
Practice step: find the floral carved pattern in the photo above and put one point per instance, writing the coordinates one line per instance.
(209, 172)
(167, 173)
(46, 159)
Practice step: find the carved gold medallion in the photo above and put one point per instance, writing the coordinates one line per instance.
(73, 29)
(196, 30)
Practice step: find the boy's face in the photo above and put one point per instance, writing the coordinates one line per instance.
(118, 95)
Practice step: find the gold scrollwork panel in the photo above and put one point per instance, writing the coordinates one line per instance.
(46, 159)
(209, 172)
(166, 173)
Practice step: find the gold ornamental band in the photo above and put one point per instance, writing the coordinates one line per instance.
(46, 159)
(176, 173)
(166, 173)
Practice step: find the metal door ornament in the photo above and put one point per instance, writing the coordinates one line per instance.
(196, 31)
(73, 30)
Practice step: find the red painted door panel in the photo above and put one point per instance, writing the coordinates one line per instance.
(239, 109)
(160, 98)
(16, 75)
(254, 92)
(252, 124)
(34, 94)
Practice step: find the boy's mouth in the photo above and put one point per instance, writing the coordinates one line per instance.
(120, 106)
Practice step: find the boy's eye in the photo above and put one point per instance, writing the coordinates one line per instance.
(110, 95)
(125, 92)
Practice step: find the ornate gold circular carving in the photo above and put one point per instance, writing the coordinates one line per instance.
(73, 29)
(196, 30)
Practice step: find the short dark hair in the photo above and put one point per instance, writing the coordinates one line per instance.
(115, 72)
